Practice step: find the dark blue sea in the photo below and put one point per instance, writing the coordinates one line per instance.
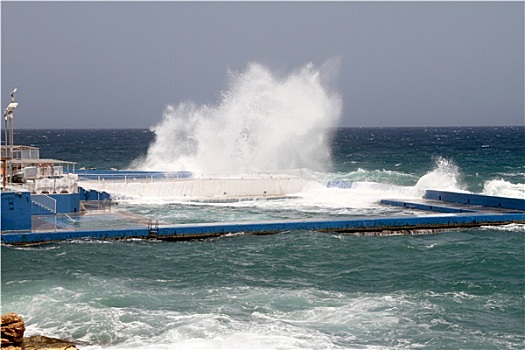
(454, 289)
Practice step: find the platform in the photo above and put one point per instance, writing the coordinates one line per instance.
(450, 210)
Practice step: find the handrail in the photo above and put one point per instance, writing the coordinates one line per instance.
(69, 217)
(141, 176)
(45, 201)
(133, 176)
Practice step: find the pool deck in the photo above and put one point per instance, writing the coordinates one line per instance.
(440, 210)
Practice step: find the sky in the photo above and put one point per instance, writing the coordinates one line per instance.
(119, 64)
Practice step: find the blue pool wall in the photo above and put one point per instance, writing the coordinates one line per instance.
(476, 199)
(66, 203)
(16, 211)
(92, 195)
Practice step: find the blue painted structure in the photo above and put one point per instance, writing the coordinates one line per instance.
(426, 206)
(16, 211)
(92, 195)
(476, 199)
(436, 201)
(65, 203)
(207, 230)
(509, 210)
(340, 184)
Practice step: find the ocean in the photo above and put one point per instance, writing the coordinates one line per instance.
(454, 289)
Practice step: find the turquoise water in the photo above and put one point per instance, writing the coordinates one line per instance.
(460, 289)
(457, 289)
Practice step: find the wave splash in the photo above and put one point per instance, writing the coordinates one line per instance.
(445, 176)
(262, 123)
(365, 188)
(500, 187)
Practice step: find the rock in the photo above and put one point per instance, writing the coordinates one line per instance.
(11, 347)
(13, 337)
(12, 329)
(37, 342)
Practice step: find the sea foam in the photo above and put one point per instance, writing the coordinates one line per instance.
(504, 188)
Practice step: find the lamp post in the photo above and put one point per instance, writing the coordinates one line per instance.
(9, 129)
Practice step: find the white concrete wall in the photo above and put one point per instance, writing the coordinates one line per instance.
(192, 189)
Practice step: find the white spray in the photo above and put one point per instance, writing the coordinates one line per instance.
(445, 176)
(261, 123)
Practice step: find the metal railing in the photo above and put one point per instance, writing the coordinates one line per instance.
(45, 201)
(133, 176)
(144, 176)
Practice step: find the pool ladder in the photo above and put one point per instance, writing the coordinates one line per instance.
(153, 229)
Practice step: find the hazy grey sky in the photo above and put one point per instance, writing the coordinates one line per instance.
(118, 64)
